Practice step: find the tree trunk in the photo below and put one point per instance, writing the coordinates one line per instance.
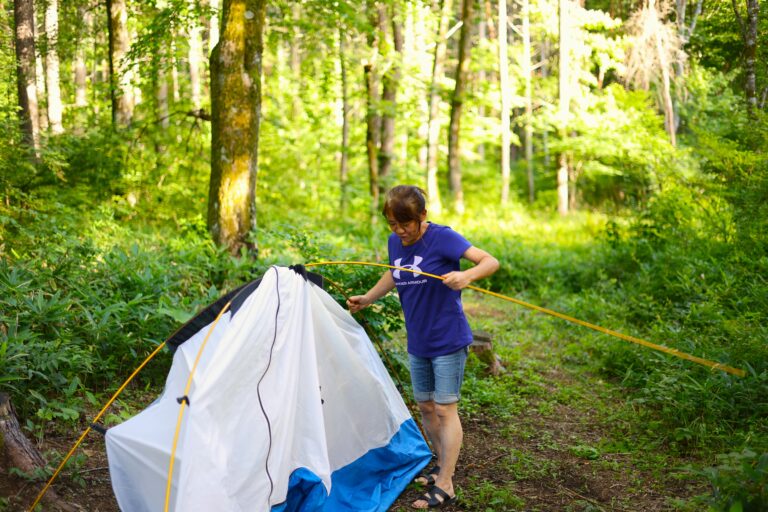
(433, 125)
(372, 123)
(505, 101)
(42, 110)
(544, 64)
(195, 56)
(344, 161)
(81, 68)
(564, 106)
(457, 102)
(213, 29)
(749, 36)
(119, 71)
(20, 453)
(24, 17)
(661, 55)
(236, 65)
(174, 66)
(390, 81)
(161, 87)
(372, 116)
(295, 46)
(562, 185)
(52, 67)
(526, 70)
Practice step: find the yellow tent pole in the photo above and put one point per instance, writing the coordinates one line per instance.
(661, 348)
(184, 399)
(87, 430)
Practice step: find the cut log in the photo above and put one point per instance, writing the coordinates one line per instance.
(482, 347)
(18, 452)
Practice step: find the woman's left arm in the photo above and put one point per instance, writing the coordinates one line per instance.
(485, 265)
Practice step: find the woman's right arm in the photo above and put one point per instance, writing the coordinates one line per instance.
(385, 285)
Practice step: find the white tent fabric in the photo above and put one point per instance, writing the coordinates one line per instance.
(290, 409)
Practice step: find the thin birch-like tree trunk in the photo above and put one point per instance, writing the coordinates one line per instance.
(24, 18)
(372, 132)
(295, 46)
(213, 29)
(457, 103)
(53, 87)
(748, 29)
(372, 115)
(433, 125)
(669, 111)
(506, 92)
(390, 82)
(195, 58)
(344, 160)
(564, 104)
(80, 65)
(42, 109)
(120, 74)
(527, 71)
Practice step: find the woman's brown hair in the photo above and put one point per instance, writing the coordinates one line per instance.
(405, 203)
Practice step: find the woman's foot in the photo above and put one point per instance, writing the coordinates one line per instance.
(427, 478)
(435, 497)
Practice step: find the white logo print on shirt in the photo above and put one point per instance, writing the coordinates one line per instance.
(415, 266)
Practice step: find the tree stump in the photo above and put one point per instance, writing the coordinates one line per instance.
(17, 451)
(482, 347)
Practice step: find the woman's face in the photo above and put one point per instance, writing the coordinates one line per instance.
(409, 232)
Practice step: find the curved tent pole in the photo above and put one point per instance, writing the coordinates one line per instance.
(87, 430)
(661, 348)
(184, 399)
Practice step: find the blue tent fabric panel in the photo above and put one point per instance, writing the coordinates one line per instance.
(370, 484)
(305, 492)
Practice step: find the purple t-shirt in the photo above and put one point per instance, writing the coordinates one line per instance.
(434, 317)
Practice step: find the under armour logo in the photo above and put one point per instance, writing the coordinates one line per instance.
(415, 266)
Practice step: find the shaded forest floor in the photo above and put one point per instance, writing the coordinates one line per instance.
(563, 441)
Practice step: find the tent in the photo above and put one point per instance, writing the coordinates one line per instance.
(290, 408)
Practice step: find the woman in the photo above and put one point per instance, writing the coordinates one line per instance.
(438, 332)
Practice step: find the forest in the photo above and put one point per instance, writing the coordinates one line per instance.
(611, 154)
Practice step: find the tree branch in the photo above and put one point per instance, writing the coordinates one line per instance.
(739, 19)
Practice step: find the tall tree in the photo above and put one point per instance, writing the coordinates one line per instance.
(389, 19)
(42, 110)
(345, 109)
(457, 103)
(24, 18)
(564, 102)
(81, 68)
(236, 67)
(655, 48)
(119, 70)
(372, 116)
(748, 30)
(213, 26)
(433, 126)
(52, 66)
(526, 69)
(685, 30)
(195, 56)
(506, 93)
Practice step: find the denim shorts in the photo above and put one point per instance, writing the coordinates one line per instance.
(438, 378)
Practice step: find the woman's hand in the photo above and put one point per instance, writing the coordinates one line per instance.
(456, 280)
(358, 302)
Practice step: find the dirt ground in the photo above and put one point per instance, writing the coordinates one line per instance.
(541, 459)
(523, 458)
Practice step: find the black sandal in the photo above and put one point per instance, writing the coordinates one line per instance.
(428, 477)
(431, 497)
